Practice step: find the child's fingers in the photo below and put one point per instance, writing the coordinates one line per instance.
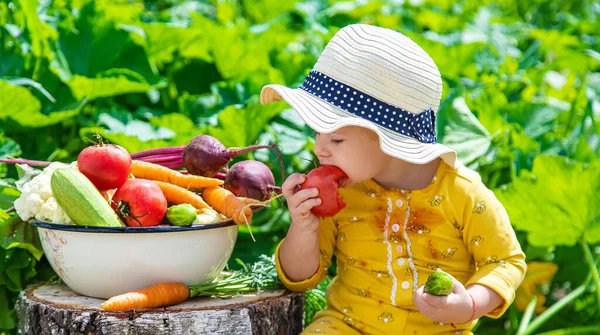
(289, 187)
(306, 206)
(301, 196)
(434, 300)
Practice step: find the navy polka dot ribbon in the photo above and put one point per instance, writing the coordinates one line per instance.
(418, 126)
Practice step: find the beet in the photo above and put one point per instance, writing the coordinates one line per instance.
(251, 179)
(203, 156)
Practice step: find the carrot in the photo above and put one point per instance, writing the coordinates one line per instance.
(147, 170)
(154, 296)
(178, 195)
(226, 203)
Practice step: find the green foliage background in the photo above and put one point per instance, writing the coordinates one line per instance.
(521, 105)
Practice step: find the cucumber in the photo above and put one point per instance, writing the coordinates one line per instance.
(81, 200)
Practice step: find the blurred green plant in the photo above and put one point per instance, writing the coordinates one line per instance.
(521, 103)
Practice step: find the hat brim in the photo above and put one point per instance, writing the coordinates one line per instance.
(325, 118)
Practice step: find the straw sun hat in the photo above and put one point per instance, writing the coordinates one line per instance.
(375, 78)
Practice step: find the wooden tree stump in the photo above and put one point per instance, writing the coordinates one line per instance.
(55, 309)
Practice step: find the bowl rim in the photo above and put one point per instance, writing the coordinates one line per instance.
(130, 230)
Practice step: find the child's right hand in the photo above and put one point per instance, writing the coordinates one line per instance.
(300, 202)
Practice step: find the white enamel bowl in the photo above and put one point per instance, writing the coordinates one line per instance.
(103, 262)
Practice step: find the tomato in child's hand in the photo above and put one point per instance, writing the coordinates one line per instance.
(140, 202)
(107, 166)
(327, 179)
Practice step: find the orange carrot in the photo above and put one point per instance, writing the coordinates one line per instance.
(226, 203)
(154, 296)
(178, 195)
(147, 170)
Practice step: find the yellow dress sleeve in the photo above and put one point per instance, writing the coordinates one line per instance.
(492, 242)
(327, 238)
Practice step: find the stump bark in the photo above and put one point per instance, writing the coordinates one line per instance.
(56, 309)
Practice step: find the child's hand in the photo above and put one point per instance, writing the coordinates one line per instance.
(300, 202)
(457, 307)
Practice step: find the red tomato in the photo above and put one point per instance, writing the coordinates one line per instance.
(140, 202)
(327, 179)
(107, 166)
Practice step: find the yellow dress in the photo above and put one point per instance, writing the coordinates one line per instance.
(387, 242)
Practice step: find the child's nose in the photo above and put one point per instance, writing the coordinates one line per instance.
(321, 149)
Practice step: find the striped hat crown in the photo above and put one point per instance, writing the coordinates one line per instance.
(375, 78)
(385, 64)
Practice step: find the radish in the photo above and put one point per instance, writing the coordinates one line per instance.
(251, 179)
(203, 156)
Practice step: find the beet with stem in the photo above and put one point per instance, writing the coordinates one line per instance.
(204, 155)
(251, 179)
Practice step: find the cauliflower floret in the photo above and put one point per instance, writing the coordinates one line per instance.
(36, 200)
(50, 209)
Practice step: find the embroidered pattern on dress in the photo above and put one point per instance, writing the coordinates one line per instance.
(386, 317)
(389, 252)
(479, 207)
(437, 200)
(449, 253)
(409, 246)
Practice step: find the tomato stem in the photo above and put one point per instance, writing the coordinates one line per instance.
(124, 212)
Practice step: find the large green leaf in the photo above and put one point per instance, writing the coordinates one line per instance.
(95, 42)
(557, 203)
(8, 195)
(163, 40)
(15, 233)
(92, 88)
(137, 135)
(19, 105)
(536, 120)
(463, 132)
(39, 31)
(239, 127)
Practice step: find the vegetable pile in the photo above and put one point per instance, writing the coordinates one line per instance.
(109, 187)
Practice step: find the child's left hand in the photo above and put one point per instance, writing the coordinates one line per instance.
(457, 307)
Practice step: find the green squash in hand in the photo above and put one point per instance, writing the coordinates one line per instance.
(439, 283)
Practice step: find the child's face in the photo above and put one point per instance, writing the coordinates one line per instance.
(355, 150)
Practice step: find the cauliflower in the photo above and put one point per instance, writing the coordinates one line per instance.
(36, 200)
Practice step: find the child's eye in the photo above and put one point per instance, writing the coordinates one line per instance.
(336, 141)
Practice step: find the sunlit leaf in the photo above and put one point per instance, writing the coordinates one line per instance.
(536, 120)
(548, 206)
(180, 129)
(17, 103)
(240, 127)
(463, 132)
(92, 88)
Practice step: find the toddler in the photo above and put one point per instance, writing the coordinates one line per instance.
(412, 208)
